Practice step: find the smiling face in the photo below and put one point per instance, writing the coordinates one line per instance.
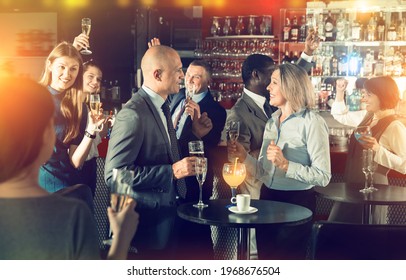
(196, 77)
(172, 74)
(274, 88)
(371, 102)
(64, 71)
(92, 79)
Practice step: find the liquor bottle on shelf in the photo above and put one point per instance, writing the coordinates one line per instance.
(295, 58)
(379, 65)
(286, 58)
(380, 27)
(388, 61)
(397, 63)
(354, 63)
(286, 31)
(343, 64)
(294, 30)
(356, 30)
(329, 28)
(302, 29)
(320, 27)
(401, 28)
(334, 65)
(391, 35)
(341, 26)
(368, 63)
(371, 29)
(327, 61)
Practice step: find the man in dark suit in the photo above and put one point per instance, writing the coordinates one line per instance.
(197, 238)
(143, 140)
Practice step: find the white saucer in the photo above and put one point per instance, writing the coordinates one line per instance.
(235, 210)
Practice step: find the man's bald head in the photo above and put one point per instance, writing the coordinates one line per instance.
(156, 57)
(157, 64)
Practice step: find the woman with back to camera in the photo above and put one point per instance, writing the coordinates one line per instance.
(63, 76)
(294, 157)
(35, 224)
(388, 141)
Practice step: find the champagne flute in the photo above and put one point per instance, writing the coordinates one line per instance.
(95, 106)
(365, 164)
(372, 165)
(86, 26)
(120, 193)
(234, 130)
(234, 174)
(196, 148)
(201, 171)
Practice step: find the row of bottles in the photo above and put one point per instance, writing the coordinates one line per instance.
(369, 63)
(374, 26)
(293, 31)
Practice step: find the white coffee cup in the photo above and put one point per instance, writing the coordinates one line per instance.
(243, 202)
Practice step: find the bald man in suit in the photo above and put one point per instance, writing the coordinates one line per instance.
(141, 141)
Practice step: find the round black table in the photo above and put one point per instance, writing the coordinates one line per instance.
(269, 213)
(349, 192)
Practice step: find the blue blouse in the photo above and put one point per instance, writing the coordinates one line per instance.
(303, 138)
(58, 172)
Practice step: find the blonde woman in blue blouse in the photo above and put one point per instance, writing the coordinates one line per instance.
(294, 157)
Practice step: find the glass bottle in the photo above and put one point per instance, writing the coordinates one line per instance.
(356, 30)
(286, 31)
(302, 29)
(379, 65)
(320, 27)
(392, 34)
(334, 65)
(380, 26)
(327, 61)
(371, 29)
(341, 26)
(239, 28)
(343, 64)
(354, 64)
(368, 63)
(294, 30)
(329, 27)
(286, 58)
(295, 57)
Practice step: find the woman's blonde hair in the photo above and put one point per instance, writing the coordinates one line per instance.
(71, 105)
(296, 87)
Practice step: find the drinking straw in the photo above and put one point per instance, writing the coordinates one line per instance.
(235, 165)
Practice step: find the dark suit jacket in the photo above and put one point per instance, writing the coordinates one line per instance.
(140, 142)
(218, 115)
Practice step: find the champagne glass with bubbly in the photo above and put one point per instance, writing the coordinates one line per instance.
(86, 26)
(234, 174)
(201, 171)
(95, 108)
(120, 193)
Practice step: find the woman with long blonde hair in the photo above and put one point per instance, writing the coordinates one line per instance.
(63, 76)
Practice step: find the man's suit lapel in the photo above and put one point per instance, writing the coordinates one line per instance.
(258, 112)
(158, 120)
